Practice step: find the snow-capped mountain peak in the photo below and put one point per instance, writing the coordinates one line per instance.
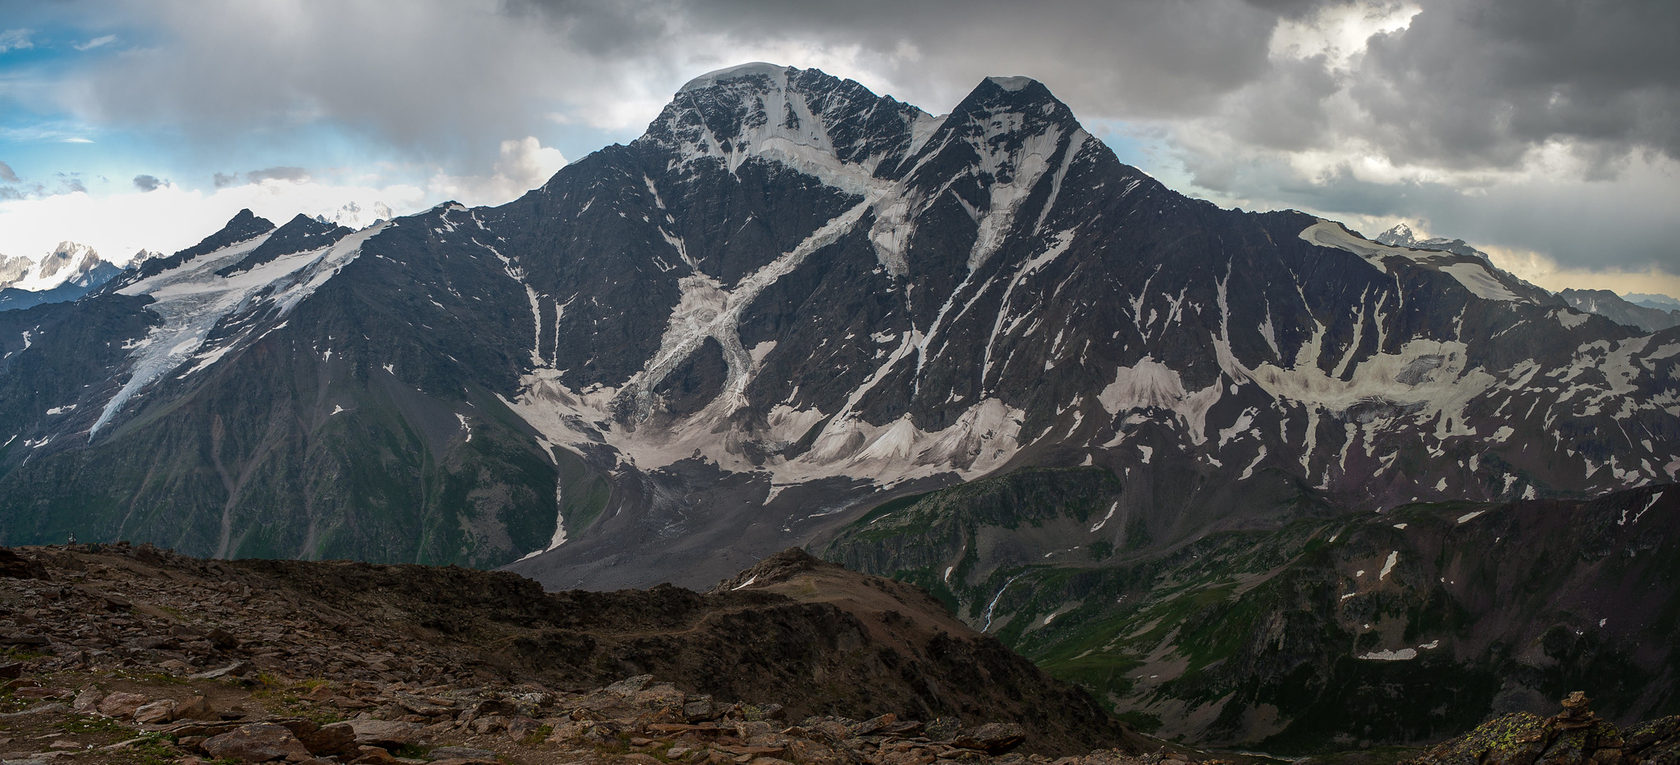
(747, 71)
(66, 263)
(833, 129)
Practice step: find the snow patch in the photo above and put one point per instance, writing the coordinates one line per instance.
(1404, 654)
(1476, 278)
(1443, 394)
(191, 300)
(1570, 319)
(1151, 384)
(1011, 83)
(1648, 506)
(756, 68)
(993, 605)
(1111, 509)
(1467, 517)
(1388, 565)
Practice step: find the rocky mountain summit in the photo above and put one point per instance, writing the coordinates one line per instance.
(130, 654)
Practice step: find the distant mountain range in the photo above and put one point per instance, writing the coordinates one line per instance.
(70, 271)
(1649, 316)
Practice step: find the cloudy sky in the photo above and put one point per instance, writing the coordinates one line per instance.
(1546, 132)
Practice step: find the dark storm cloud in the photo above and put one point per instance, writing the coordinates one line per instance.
(284, 173)
(1482, 81)
(1287, 111)
(277, 174)
(450, 81)
(602, 29)
(147, 182)
(1106, 58)
(1579, 222)
(1461, 86)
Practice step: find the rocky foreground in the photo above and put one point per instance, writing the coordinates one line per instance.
(121, 654)
(138, 656)
(1574, 735)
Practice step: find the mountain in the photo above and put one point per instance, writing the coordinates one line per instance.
(72, 289)
(794, 308)
(67, 262)
(1611, 306)
(790, 301)
(70, 271)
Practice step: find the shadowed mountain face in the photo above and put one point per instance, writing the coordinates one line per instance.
(790, 301)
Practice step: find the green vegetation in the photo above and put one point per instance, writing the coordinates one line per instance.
(91, 724)
(155, 748)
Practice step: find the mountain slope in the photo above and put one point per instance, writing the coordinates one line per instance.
(787, 302)
(1324, 633)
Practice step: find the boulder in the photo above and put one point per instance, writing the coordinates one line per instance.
(991, 738)
(334, 738)
(14, 566)
(256, 742)
(385, 734)
(155, 712)
(121, 704)
(195, 708)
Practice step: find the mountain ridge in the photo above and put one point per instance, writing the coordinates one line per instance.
(789, 301)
